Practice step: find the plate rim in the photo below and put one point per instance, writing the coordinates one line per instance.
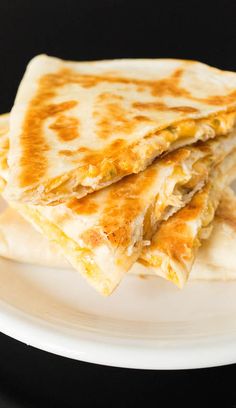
(45, 336)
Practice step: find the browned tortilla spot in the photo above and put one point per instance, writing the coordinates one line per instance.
(85, 205)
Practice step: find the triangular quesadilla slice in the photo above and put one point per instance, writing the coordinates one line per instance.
(174, 246)
(77, 127)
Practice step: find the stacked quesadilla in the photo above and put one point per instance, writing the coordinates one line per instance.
(117, 163)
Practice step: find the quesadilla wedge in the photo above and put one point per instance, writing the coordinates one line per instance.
(77, 127)
(174, 246)
(215, 260)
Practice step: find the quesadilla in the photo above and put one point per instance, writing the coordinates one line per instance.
(174, 246)
(103, 234)
(215, 260)
(77, 127)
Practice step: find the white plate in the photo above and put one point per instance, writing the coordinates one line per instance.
(144, 324)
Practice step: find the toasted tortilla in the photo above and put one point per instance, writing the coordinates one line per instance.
(174, 246)
(222, 236)
(19, 241)
(77, 127)
(4, 148)
(103, 234)
(215, 260)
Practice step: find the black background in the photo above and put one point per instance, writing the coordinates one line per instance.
(99, 29)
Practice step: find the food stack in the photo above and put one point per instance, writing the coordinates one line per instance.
(121, 162)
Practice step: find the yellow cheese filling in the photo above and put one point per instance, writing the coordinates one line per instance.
(107, 170)
(172, 276)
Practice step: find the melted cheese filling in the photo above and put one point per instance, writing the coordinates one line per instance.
(210, 127)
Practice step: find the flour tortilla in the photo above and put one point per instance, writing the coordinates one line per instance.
(174, 247)
(76, 127)
(215, 260)
(19, 241)
(103, 234)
